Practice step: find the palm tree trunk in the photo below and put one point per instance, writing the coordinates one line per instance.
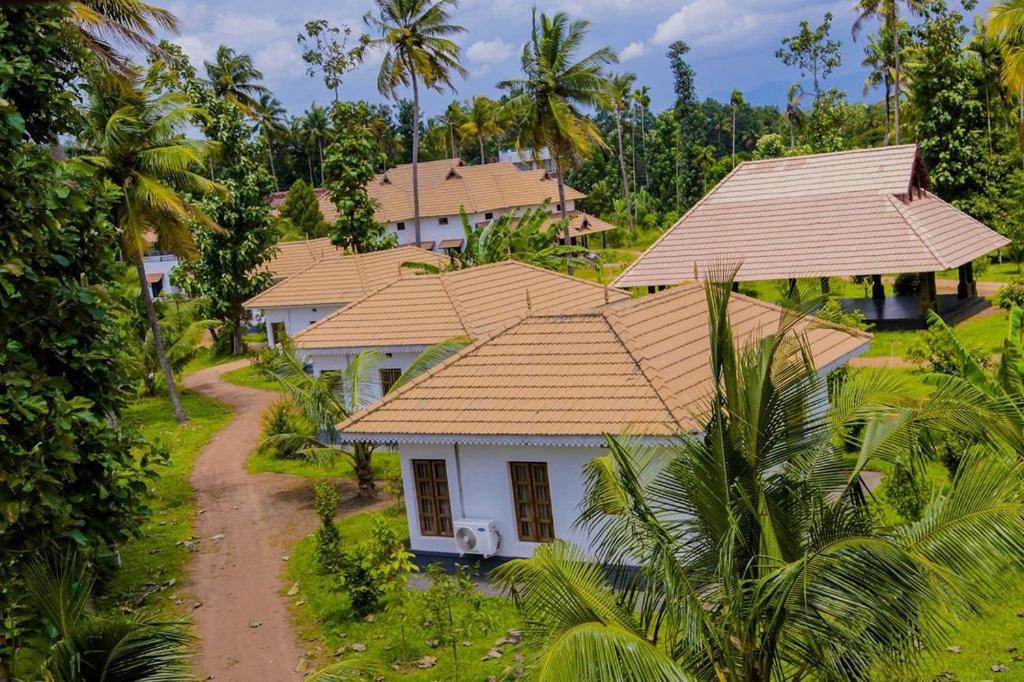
(632, 146)
(415, 154)
(888, 95)
(734, 136)
(643, 142)
(483, 160)
(896, 62)
(158, 340)
(451, 136)
(309, 164)
(363, 456)
(561, 203)
(622, 169)
(320, 148)
(792, 136)
(270, 153)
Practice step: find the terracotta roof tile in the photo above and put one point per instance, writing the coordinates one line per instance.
(837, 214)
(343, 278)
(640, 368)
(426, 309)
(291, 257)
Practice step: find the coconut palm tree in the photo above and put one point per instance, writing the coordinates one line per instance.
(545, 103)
(757, 553)
(454, 117)
(735, 102)
(888, 13)
(877, 59)
(481, 123)
(271, 121)
(135, 141)
(987, 51)
(316, 131)
(234, 77)
(1006, 25)
(620, 89)
(333, 397)
(642, 97)
(794, 96)
(93, 648)
(416, 38)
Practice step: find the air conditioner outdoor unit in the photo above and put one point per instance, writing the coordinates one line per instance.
(476, 536)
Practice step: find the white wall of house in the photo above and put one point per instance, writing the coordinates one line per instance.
(434, 229)
(295, 318)
(398, 357)
(163, 264)
(480, 485)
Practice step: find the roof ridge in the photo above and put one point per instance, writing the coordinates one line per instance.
(841, 152)
(669, 230)
(660, 386)
(246, 303)
(578, 280)
(389, 397)
(457, 306)
(343, 309)
(915, 226)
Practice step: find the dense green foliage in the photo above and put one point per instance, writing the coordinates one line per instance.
(302, 211)
(69, 473)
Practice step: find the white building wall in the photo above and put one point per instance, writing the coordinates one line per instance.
(295, 318)
(162, 264)
(480, 487)
(431, 229)
(393, 359)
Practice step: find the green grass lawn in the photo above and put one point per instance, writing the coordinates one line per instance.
(205, 358)
(324, 616)
(156, 556)
(385, 465)
(985, 333)
(996, 272)
(248, 376)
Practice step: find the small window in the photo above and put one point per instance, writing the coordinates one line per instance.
(532, 499)
(442, 221)
(558, 207)
(488, 216)
(400, 226)
(388, 377)
(432, 502)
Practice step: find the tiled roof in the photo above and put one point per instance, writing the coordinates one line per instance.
(291, 257)
(640, 368)
(341, 278)
(841, 214)
(472, 302)
(581, 223)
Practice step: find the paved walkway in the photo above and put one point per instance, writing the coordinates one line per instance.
(247, 525)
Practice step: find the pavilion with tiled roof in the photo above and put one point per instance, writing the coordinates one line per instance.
(862, 212)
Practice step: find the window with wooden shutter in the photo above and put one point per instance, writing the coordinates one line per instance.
(388, 377)
(432, 501)
(532, 498)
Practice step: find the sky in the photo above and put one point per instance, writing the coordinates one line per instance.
(733, 43)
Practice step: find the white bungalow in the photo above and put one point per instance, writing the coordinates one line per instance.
(331, 283)
(411, 314)
(494, 440)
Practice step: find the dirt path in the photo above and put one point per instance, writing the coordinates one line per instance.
(247, 525)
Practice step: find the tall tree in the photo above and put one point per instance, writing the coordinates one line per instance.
(482, 122)
(812, 51)
(134, 139)
(415, 36)
(545, 103)
(751, 553)
(878, 59)
(794, 97)
(324, 49)
(620, 90)
(735, 102)
(302, 210)
(987, 52)
(72, 475)
(234, 77)
(688, 184)
(642, 97)
(316, 132)
(454, 117)
(888, 13)
(270, 119)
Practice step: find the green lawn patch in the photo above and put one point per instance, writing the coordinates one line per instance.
(156, 557)
(996, 272)
(205, 358)
(248, 376)
(985, 642)
(986, 333)
(323, 614)
(385, 465)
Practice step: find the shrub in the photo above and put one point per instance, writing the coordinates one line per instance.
(375, 569)
(283, 417)
(907, 284)
(1012, 294)
(935, 350)
(905, 493)
(834, 313)
(328, 540)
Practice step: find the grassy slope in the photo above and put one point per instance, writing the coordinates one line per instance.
(155, 556)
(322, 612)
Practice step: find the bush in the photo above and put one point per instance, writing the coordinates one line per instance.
(907, 284)
(935, 350)
(1012, 294)
(280, 418)
(834, 313)
(375, 569)
(328, 540)
(905, 493)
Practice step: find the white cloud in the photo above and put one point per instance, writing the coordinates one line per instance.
(490, 51)
(736, 24)
(196, 49)
(635, 49)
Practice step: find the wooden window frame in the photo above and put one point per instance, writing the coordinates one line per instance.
(393, 373)
(531, 524)
(435, 519)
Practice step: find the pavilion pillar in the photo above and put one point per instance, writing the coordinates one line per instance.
(825, 287)
(967, 286)
(877, 288)
(929, 294)
(736, 286)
